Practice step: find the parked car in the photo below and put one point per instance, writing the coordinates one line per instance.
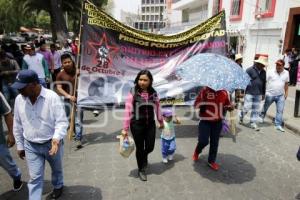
(29, 35)
(47, 37)
(17, 39)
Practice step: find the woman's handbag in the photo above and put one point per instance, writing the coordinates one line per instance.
(126, 145)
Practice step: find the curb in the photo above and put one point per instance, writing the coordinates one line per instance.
(289, 126)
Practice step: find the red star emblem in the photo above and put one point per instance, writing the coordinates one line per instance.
(103, 42)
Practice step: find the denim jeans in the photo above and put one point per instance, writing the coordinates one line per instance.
(279, 100)
(168, 147)
(78, 120)
(8, 164)
(251, 102)
(9, 93)
(36, 154)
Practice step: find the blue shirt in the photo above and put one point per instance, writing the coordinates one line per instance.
(40, 122)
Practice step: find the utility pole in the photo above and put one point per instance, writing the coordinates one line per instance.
(258, 17)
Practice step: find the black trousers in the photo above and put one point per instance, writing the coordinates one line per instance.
(144, 137)
(209, 132)
(293, 74)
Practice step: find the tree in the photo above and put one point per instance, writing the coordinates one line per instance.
(56, 8)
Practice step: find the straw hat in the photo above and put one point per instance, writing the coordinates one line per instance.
(238, 56)
(262, 60)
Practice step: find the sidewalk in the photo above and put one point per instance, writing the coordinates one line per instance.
(292, 123)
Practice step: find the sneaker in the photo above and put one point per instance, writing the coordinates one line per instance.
(261, 120)
(96, 113)
(279, 128)
(214, 166)
(17, 185)
(195, 156)
(241, 121)
(142, 175)
(78, 144)
(254, 126)
(56, 193)
(165, 160)
(171, 157)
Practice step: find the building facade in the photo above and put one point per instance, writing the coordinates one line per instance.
(151, 15)
(253, 27)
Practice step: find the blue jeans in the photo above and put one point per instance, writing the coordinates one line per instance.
(8, 163)
(9, 93)
(168, 147)
(251, 102)
(279, 100)
(78, 120)
(36, 154)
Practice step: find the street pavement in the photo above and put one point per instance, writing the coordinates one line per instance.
(258, 165)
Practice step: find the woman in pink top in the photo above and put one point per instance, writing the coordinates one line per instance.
(141, 104)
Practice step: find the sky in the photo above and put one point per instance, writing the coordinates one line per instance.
(126, 5)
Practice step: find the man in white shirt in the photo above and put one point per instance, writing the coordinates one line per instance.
(36, 62)
(277, 91)
(39, 128)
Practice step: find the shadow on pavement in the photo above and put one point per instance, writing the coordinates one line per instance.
(100, 137)
(80, 192)
(298, 196)
(159, 167)
(23, 193)
(233, 169)
(77, 192)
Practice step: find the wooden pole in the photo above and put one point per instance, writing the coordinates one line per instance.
(71, 130)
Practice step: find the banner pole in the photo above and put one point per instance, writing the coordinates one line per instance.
(73, 110)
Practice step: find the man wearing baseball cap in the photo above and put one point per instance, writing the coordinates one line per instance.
(39, 128)
(277, 91)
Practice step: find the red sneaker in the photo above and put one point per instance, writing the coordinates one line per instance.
(195, 156)
(214, 166)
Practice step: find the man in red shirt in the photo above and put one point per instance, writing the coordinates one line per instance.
(212, 105)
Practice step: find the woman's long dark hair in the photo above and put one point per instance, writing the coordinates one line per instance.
(149, 75)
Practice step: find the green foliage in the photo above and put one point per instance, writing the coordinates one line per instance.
(43, 20)
(35, 13)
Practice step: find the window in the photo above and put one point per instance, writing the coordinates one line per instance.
(162, 1)
(185, 15)
(152, 1)
(143, 1)
(146, 25)
(143, 9)
(147, 9)
(156, 17)
(236, 10)
(156, 9)
(265, 8)
(217, 6)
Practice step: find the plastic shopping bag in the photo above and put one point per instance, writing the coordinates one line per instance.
(126, 145)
